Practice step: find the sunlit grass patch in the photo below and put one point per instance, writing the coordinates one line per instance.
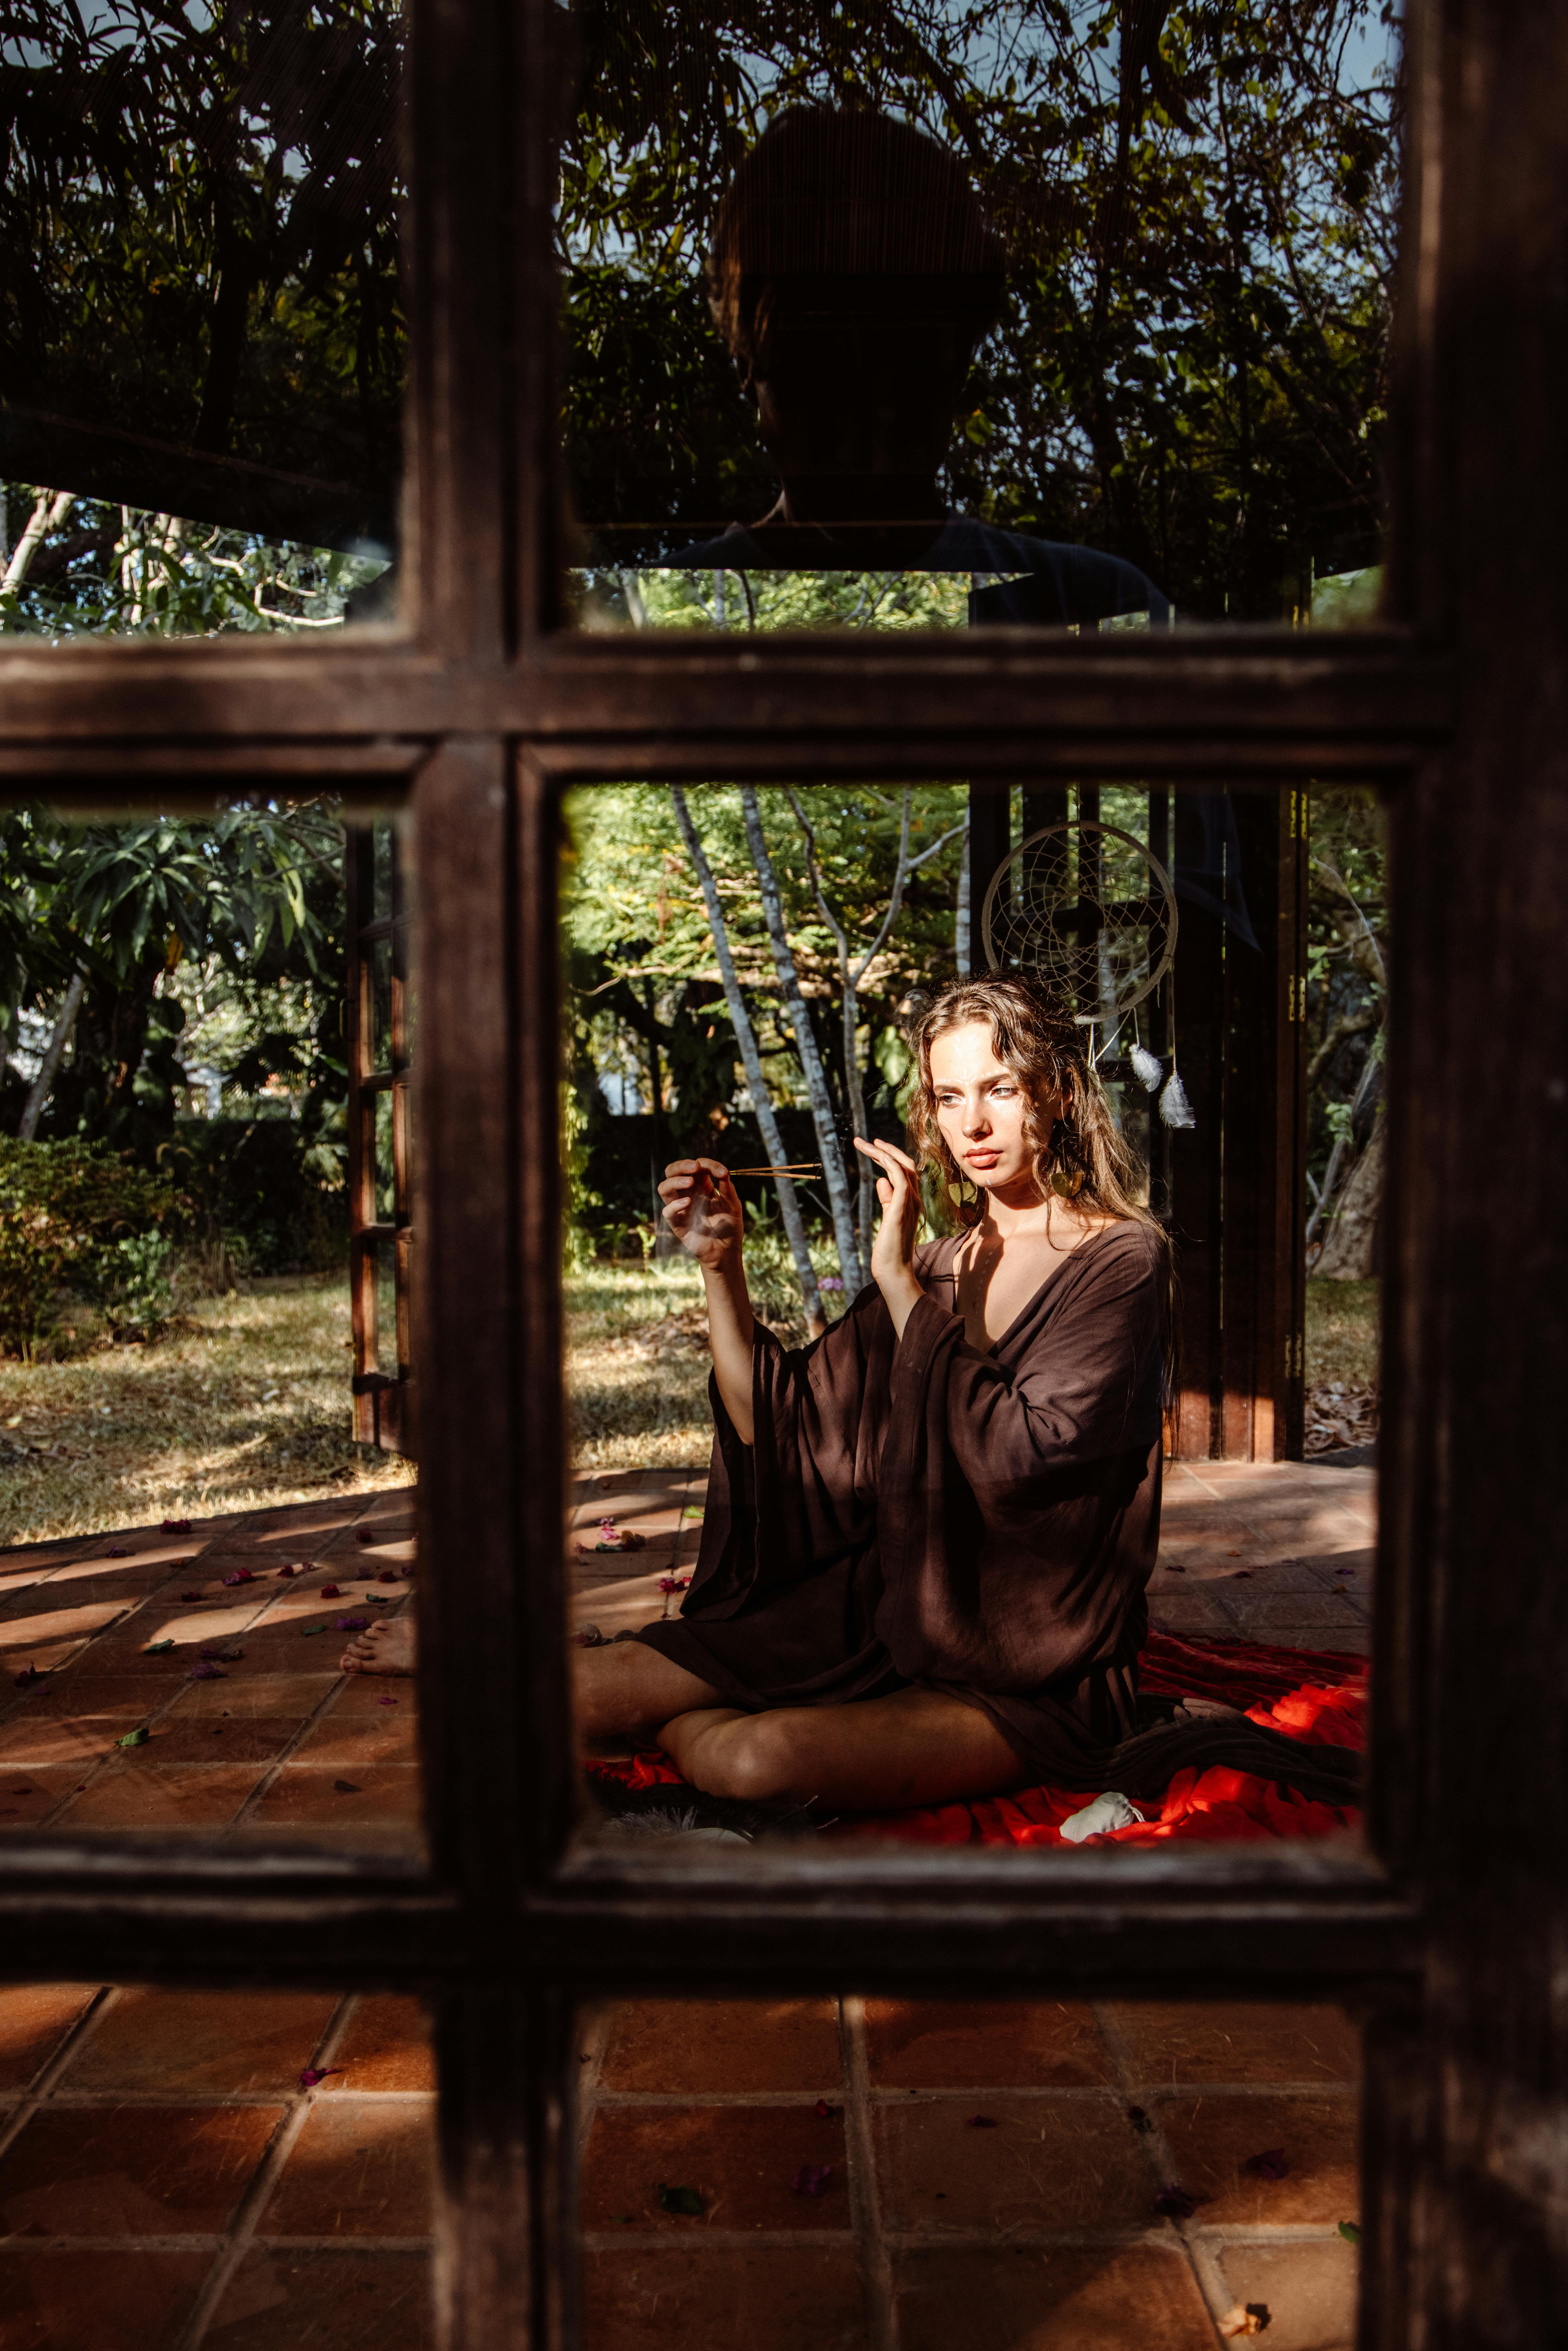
(244, 1405)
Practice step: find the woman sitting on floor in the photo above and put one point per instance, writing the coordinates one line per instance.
(927, 1535)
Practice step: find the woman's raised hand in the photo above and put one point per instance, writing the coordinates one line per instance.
(892, 1251)
(701, 1208)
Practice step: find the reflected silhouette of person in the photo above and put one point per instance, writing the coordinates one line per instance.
(853, 274)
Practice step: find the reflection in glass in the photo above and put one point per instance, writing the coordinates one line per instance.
(1024, 294)
(200, 332)
(187, 1509)
(934, 1551)
(1007, 2171)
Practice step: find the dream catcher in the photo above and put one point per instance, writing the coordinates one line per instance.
(1089, 910)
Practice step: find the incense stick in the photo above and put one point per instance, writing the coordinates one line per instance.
(802, 1167)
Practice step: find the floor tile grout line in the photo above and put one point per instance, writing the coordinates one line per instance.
(217, 2101)
(1073, 2093)
(1158, 2155)
(241, 2231)
(865, 2199)
(40, 2090)
(208, 2241)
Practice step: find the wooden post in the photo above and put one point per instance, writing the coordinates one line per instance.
(1236, 1178)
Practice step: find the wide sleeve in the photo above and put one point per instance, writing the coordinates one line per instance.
(803, 1494)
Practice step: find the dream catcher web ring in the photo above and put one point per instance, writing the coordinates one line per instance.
(1089, 910)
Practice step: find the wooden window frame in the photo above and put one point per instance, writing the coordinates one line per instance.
(1446, 1931)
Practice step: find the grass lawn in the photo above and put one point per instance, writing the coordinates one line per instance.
(1342, 1334)
(637, 1361)
(243, 1406)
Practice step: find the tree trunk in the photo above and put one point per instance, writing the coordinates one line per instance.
(1351, 1251)
(806, 1045)
(39, 1094)
(52, 507)
(751, 1060)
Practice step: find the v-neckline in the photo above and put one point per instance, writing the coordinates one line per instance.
(1030, 1302)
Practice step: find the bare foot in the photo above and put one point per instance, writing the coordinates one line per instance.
(386, 1648)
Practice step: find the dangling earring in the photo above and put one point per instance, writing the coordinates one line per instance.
(965, 1195)
(1066, 1181)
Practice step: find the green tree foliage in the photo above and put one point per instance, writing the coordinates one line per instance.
(198, 229)
(251, 897)
(74, 1211)
(1198, 203)
(640, 955)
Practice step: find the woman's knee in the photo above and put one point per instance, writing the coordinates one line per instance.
(755, 1759)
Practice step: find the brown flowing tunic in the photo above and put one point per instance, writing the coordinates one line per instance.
(915, 1510)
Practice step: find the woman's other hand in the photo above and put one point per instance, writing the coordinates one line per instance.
(892, 1252)
(701, 1208)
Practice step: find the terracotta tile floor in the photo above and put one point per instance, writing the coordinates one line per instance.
(992, 2171)
(270, 1744)
(165, 2180)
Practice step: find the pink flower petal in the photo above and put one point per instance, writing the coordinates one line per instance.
(240, 1575)
(387, 1576)
(207, 1673)
(386, 1701)
(314, 2073)
(27, 1676)
(364, 1534)
(812, 2179)
(192, 1595)
(117, 1551)
(349, 1624)
(177, 1526)
(330, 1591)
(828, 2114)
(1272, 2163)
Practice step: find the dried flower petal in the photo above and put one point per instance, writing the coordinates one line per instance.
(812, 2179)
(1176, 2202)
(177, 1526)
(192, 1595)
(349, 1624)
(314, 2073)
(347, 1788)
(118, 1551)
(137, 1738)
(1139, 2119)
(224, 1656)
(28, 1675)
(982, 2122)
(668, 1583)
(285, 1573)
(240, 1575)
(1350, 2232)
(387, 1576)
(364, 1534)
(828, 2114)
(386, 1701)
(1272, 2163)
(680, 2199)
(208, 1673)
(330, 1591)
(156, 1648)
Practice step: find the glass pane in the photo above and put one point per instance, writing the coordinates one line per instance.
(1051, 2173)
(212, 2121)
(997, 1488)
(200, 317)
(193, 1531)
(955, 315)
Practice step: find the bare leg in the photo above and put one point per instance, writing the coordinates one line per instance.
(625, 1690)
(884, 1754)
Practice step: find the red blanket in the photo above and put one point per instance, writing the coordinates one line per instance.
(1312, 1694)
